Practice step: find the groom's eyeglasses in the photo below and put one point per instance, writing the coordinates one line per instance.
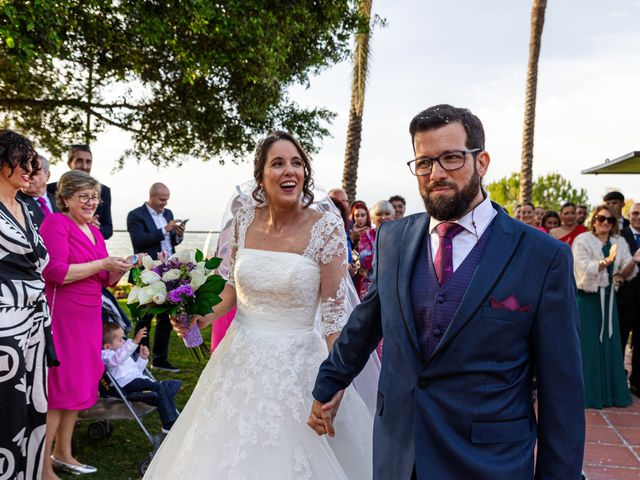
(603, 219)
(448, 161)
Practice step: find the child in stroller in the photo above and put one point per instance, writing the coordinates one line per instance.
(128, 373)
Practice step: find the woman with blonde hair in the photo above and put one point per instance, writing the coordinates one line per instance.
(602, 261)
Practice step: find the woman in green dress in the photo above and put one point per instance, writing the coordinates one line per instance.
(602, 261)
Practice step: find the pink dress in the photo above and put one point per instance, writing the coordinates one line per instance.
(76, 313)
(219, 328)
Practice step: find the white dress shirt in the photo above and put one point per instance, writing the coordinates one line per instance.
(161, 223)
(475, 223)
(121, 366)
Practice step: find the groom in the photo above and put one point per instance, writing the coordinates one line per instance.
(471, 304)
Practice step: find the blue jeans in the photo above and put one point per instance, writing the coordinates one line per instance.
(164, 399)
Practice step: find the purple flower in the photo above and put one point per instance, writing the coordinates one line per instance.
(178, 295)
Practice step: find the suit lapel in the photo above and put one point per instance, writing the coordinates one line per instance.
(412, 239)
(497, 254)
(151, 225)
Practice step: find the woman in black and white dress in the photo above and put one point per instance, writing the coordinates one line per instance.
(24, 317)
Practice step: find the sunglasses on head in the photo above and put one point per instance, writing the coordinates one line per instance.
(603, 219)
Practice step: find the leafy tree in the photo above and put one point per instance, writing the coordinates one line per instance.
(549, 191)
(196, 78)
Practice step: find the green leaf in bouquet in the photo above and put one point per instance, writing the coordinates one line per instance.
(199, 256)
(159, 309)
(213, 263)
(202, 306)
(135, 310)
(135, 275)
(214, 284)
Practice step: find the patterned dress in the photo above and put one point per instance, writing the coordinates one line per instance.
(24, 316)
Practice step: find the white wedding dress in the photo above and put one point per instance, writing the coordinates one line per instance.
(246, 418)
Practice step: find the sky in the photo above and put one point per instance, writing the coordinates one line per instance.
(462, 52)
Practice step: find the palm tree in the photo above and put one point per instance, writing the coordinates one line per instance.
(358, 82)
(526, 172)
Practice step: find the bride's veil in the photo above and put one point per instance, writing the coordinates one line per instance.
(366, 383)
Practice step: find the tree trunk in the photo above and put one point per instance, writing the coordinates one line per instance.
(526, 172)
(358, 83)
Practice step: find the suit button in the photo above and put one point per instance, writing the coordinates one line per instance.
(439, 299)
(422, 383)
(437, 332)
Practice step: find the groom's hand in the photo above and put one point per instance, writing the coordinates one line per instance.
(322, 415)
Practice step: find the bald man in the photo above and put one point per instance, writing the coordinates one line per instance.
(153, 229)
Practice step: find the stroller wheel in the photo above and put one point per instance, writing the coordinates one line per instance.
(98, 430)
(144, 465)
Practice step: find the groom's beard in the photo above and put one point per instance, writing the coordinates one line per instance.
(451, 208)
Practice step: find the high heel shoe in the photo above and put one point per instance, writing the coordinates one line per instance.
(70, 468)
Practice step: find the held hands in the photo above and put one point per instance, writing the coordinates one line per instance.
(322, 415)
(144, 352)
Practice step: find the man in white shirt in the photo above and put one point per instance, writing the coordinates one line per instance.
(153, 231)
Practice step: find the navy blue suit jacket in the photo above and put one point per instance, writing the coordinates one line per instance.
(145, 236)
(466, 412)
(103, 211)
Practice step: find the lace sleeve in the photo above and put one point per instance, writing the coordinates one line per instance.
(334, 309)
(233, 249)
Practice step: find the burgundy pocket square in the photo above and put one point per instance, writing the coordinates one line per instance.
(510, 303)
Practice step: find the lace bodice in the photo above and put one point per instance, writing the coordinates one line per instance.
(283, 290)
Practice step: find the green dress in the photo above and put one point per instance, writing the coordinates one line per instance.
(605, 381)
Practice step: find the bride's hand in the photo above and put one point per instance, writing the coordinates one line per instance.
(182, 329)
(322, 415)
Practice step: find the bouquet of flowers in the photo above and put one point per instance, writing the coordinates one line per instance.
(183, 285)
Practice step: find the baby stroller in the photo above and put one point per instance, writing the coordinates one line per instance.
(115, 404)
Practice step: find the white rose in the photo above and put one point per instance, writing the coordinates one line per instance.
(145, 296)
(200, 268)
(197, 279)
(147, 293)
(173, 274)
(185, 256)
(156, 288)
(159, 298)
(148, 277)
(133, 295)
(149, 263)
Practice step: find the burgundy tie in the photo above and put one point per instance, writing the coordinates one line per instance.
(444, 256)
(43, 206)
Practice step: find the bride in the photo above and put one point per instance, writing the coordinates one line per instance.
(246, 418)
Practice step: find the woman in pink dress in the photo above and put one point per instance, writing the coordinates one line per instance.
(78, 268)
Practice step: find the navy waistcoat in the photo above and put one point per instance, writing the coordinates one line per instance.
(433, 305)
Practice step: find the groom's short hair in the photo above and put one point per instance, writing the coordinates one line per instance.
(441, 115)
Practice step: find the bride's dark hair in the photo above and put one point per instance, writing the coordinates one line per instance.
(260, 161)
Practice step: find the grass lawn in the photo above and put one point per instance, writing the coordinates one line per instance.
(118, 456)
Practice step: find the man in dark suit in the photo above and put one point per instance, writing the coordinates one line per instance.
(80, 158)
(153, 230)
(467, 317)
(39, 202)
(629, 302)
